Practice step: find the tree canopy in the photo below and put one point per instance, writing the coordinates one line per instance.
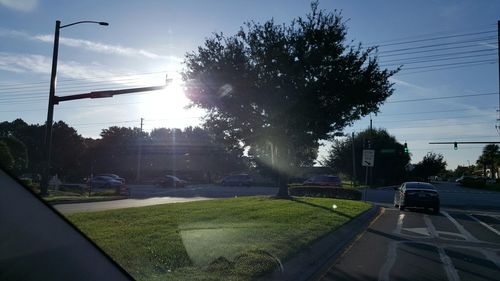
(431, 165)
(285, 87)
(489, 158)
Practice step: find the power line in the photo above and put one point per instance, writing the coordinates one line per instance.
(440, 59)
(445, 68)
(83, 79)
(437, 45)
(442, 55)
(436, 111)
(451, 64)
(431, 119)
(437, 50)
(444, 125)
(438, 38)
(474, 28)
(442, 98)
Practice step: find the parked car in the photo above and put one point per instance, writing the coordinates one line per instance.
(104, 182)
(116, 177)
(171, 181)
(416, 195)
(324, 180)
(237, 180)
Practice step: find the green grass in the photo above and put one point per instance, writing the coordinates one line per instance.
(230, 239)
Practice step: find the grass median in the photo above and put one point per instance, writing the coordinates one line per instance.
(230, 239)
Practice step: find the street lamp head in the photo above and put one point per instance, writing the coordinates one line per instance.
(103, 23)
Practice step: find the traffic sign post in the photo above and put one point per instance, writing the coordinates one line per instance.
(367, 161)
(368, 158)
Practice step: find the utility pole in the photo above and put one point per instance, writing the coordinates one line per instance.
(498, 51)
(353, 178)
(139, 155)
(371, 147)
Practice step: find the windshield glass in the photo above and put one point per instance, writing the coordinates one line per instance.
(239, 140)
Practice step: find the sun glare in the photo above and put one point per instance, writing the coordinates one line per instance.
(167, 108)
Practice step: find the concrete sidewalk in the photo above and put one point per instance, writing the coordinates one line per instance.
(312, 261)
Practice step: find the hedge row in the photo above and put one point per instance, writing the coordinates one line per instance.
(329, 192)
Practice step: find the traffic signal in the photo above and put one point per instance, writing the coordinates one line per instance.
(406, 148)
(455, 146)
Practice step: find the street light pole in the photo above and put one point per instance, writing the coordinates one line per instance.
(52, 100)
(50, 114)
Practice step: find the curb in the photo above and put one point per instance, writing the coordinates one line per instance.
(90, 200)
(311, 262)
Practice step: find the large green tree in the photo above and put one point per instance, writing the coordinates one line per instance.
(284, 87)
(390, 158)
(432, 164)
(489, 158)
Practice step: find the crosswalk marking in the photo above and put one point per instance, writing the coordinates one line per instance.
(449, 268)
(461, 229)
(485, 225)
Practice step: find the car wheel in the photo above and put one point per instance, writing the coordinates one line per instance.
(435, 210)
(401, 207)
(395, 205)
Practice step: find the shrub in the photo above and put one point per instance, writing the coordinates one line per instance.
(329, 192)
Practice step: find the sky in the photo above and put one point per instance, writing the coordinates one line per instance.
(447, 48)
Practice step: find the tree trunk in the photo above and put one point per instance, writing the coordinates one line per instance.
(281, 168)
(283, 186)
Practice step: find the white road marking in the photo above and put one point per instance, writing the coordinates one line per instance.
(385, 271)
(430, 226)
(418, 230)
(449, 268)
(440, 232)
(399, 224)
(463, 231)
(485, 225)
(492, 256)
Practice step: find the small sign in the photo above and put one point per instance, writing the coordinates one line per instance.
(388, 150)
(368, 158)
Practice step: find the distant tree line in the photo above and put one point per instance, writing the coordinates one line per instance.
(192, 152)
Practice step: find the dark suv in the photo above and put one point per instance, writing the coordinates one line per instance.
(416, 195)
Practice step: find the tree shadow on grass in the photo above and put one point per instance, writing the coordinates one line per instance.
(294, 199)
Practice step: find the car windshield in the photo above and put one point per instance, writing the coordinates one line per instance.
(258, 140)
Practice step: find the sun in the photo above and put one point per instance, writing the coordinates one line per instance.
(167, 108)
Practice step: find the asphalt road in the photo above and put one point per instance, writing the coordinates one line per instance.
(451, 195)
(146, 195)
(414, 245)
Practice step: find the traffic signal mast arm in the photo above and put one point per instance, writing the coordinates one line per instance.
(455, 143)
(106, 94)
(109, 93)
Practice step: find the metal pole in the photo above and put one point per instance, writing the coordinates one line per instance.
(498, 51)
(50, 114)
(353, 179)
(371, 147)
(139, 155)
